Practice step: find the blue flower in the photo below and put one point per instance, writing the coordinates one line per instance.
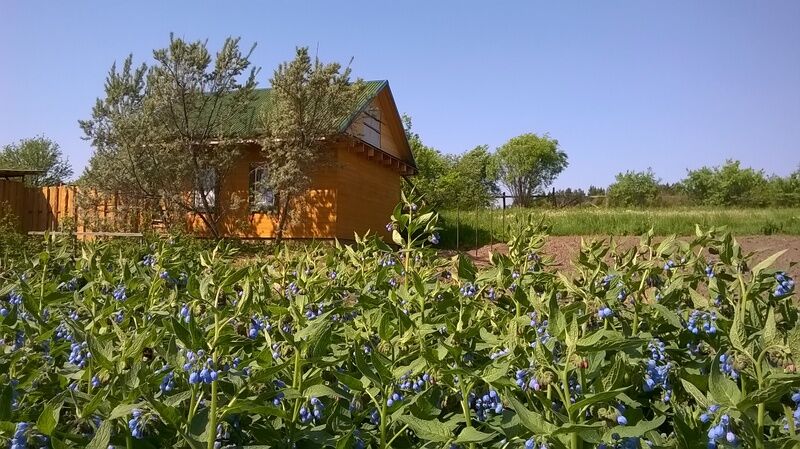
(120, 293)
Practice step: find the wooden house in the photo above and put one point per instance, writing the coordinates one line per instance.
(354, 193)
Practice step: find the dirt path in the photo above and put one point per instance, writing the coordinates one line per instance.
(565, 248)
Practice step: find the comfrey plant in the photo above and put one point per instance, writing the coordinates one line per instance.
(401, 347)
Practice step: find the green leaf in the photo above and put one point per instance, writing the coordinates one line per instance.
(6, 398)
(532, 420)
(471, 435)
(637, 430)
(698, 395)
(595, 398)
(766, 263)
(721, 388)
(496, 371)
(123, 410)
(771, 393)
(102, 437)
(770, 337)
(428, 429)
(48, 419)
(320, 390)
(672, 318)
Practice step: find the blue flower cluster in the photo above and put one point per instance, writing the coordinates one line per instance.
(468, 290)
(390, 227)
(168, 382)
(96, 381)
(314, 311)
(706, 320)
(69, 286)
(525, 379)
(73, 315)
(388, 261)
(120, 293)
(185, 313)
(279, 384)
(530, 443)
(292, 290)
(118, 316)
(149, 260)
(721, 431)
(375, 417)
(79, 354)
(20, 439)
(137, 424)
(657, 370)
(621, 443)
(332, 275)
(434, 238)
(15, 298)
(622, 294)
(606, 281)
(669, 265)
(500, 353)
(709, 271)
(408, 384)
(316, 413)
(605, 312)
(63, 332)
(726, 366)
(222, 435)
(199, 371)
(795, 413)
(785, 284)
(542, 335)
(488, 403)
(256, 325)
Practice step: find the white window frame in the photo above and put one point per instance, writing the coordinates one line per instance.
(372, 128)
(206, 181)
(261, 196)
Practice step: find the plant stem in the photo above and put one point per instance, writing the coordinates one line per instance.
(384, 416)
(212, 416)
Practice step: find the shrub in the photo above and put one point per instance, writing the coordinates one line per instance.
(634, 189)
(366, 345)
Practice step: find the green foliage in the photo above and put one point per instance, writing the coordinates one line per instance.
(632, 188)
(309, 101)
(528, 164)
(466, 180)
(728, 185)
(38, 153)
(171, 128)
(366, 345)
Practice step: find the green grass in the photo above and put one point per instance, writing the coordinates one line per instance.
(464, 227)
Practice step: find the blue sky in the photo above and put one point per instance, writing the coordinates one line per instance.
(622, 85)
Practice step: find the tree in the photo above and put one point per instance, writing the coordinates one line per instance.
(728, 185)
(171, 129)
(528, 164)
(471, 180)
(464, 180)
(38, 153)
(633, 188)
(309, 102)
(432, 166)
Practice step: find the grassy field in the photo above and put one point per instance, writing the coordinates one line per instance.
(464, 227)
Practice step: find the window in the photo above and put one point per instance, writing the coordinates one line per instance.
(262, 198)
(206, 183)
(372, 128)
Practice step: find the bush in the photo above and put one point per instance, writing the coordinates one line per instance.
(165, 345)
(634, 189)
(729, 185)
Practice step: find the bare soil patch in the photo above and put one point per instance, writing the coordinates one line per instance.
(565, 249)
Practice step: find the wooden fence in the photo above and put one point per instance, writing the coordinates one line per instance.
(57, 207)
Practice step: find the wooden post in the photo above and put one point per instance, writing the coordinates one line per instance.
(476, 229)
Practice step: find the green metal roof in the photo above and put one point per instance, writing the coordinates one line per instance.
(250, 125)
